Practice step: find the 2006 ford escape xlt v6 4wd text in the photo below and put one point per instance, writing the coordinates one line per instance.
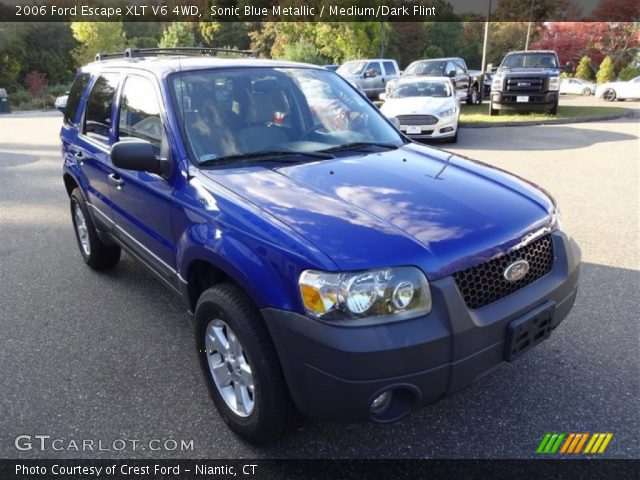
(332, 267)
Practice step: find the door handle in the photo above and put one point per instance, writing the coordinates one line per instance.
(116, 180)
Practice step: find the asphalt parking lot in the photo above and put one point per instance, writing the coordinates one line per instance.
(111, 356)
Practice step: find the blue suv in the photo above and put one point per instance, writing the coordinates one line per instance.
(332, 267)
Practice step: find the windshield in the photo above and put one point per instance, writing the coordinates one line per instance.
(421, 89)
(242, 111)
(352, 68)
(431, 68)
(530, 60)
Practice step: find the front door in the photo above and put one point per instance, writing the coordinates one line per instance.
(141, 200)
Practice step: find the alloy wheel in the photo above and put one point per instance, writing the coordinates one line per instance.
(229, 368)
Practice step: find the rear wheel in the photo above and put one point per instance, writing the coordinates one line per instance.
(472, 98)
(96, 254)
(586, 92)
(241, 367)
(609, 95)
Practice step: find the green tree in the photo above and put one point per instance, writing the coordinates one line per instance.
(97, 37)
(178, 34)
(225, 34)
(606, 72)
(629, 72)
(447, 36)
(585, 68)
(303, 51)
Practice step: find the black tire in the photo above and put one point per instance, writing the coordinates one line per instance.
(273, 414)
(554, 110)
(472, 98)
(493, 111)
(586, 92)
(609, 95)
(98, 255)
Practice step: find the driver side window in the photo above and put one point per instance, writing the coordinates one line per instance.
(373, 69)
(140, 112)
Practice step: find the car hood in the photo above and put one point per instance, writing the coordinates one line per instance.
(416, 105)
(410, 206)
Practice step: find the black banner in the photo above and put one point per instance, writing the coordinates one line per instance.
(316, 469)
(318, 10)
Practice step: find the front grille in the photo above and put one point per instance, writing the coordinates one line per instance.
(417, 119)
(485, 283)
(524, 84)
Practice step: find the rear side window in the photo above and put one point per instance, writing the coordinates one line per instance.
(390, 68)
(97, 117)
(73, 100)
(140, 112)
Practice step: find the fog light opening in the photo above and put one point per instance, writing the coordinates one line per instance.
(446, 129)
(393, 403)
(381, 403)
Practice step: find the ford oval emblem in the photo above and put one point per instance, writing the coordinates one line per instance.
(516, 270)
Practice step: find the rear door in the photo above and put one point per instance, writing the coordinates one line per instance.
(141, 200)
(93, 145)
(462, 80)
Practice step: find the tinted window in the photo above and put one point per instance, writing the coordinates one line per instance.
(390, 68)
(73, 100)
(140, 112)
(233, 112)
(97, 118)
(530, 60)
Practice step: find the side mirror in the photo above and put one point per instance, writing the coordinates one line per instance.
(451, 73)
(136, 155)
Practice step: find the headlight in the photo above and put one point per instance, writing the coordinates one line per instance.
(496, 83)
(449, 112)
(399, 293)
(554, 83)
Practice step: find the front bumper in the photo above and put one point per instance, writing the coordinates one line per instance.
(536, 101)
(335, 372)
(446, 127)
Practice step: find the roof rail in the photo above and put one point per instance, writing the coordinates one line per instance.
(152, 52)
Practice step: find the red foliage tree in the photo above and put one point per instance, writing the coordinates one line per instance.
(37, 85)
(617, 11)
(573, 40)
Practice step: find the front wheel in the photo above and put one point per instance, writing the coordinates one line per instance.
(241, 367)
(554, 110)
(586, 92)
(96, 254)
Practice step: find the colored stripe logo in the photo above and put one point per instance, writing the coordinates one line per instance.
(573, 443)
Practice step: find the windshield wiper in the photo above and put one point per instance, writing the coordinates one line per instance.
(356, 145)
(265, 155)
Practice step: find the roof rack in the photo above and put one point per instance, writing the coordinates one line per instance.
(152, 52)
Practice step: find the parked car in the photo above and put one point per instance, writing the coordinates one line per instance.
(370, 76)
(61, 102)
(576, 86)
(619, 90)
(425, 107)
(467, 86)
(526, 81)
(4, 101)
(486, 82)
(331, 266)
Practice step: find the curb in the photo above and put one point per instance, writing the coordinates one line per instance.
(627, 112)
